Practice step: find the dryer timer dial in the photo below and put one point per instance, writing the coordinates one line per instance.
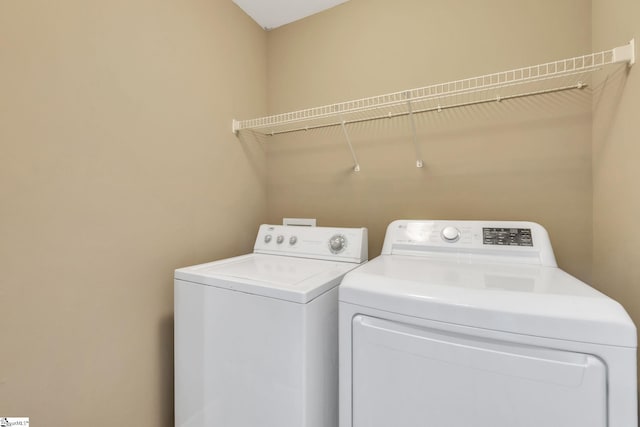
(337, 243)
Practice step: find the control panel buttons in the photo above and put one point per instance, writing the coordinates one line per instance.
(267, 238)
(337, 243)
(280, 239)
(450, 234)
(293, 240)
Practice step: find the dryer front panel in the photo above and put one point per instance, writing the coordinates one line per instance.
(410, 376)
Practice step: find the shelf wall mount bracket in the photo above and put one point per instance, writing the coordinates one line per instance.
(626, 53)
(356, 165)
(235, 126)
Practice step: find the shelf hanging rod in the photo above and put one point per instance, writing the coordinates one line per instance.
(579, 85)
(419, 162)
(356, 165)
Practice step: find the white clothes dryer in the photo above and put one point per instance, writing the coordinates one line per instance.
(472, 324)
(256, 336)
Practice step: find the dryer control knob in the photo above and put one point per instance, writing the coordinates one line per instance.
(293, 240)
(267, 238)
(450, 234)
(337, 243)
(280, 239)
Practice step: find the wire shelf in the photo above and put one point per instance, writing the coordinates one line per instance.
(566, 74)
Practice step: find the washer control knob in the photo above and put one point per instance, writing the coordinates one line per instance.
(280, 239)
(293, 240)
(450, 234)
(267, 238)
(337, 243)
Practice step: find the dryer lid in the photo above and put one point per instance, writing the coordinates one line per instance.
(294, 279)
(533, 300)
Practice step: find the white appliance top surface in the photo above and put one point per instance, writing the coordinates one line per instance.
(523, 298)
(289, 278)
(288, 262)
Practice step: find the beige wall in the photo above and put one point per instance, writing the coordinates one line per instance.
(616, 150)
(117, 165)
(518, 160)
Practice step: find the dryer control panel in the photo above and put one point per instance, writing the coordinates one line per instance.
(500, 241)
(328, 243)
(507, 236)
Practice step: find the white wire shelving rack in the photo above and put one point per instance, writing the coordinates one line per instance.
(565, 74)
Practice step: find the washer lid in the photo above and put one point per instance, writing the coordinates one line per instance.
(523, 299)
(294, 279)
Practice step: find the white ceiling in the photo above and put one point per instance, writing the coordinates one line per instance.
(270, 14)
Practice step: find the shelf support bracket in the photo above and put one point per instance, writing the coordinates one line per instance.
(626, 53)
(235, 126)
(356, 165)
(419, 162)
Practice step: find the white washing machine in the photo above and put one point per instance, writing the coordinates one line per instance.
(256, 336)
(472, 324)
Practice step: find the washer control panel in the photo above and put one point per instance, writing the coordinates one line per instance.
(337, 243)
(513, 241)
(331, 243)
